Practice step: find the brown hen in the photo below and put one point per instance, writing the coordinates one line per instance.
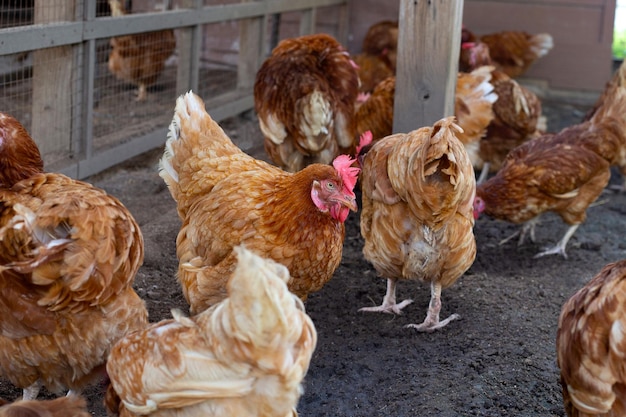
(68, 257)
(517, 119)
(377, 60)
(517, 113)
(416, 218)
(246, 356)
(512, 52)
(591, 345)
(139, 59)
(563, 173)
(226, 198)
(304, 95)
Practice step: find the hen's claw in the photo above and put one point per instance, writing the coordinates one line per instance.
(389, 308)
(430, 325)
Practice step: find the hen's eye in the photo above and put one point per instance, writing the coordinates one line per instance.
(330, 185)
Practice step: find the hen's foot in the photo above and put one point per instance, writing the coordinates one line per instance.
(431, 324)
(389, 308)
(31, 392)
(556, 250)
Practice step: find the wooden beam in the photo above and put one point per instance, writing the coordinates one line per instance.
(252, 41)
(429, 42)
(52, 85)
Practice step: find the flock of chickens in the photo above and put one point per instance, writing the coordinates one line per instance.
(257, 238)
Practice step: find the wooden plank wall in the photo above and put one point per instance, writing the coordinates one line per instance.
(581, 59)
(582, 32)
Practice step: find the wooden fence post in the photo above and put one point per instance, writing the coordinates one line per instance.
(53, 71)
(428, 57)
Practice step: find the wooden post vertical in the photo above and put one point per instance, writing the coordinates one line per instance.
(53, 71)
(428, 53)
(189, 45)
(252, 40)
(307, 21)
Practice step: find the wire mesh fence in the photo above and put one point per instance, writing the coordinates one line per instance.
(95, 82)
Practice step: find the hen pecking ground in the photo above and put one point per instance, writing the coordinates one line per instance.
(499, 359)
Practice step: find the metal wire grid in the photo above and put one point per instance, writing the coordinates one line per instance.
(33, 83)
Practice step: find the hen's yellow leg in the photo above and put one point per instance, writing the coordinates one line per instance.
(389, 301)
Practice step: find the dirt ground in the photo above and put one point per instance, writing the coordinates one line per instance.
(497, 360)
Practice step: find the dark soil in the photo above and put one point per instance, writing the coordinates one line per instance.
(497, 360)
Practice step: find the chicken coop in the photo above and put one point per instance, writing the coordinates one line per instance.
(95, 82)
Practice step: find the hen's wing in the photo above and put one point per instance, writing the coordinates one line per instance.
(591, 345)
(76, 243)
(68, 257)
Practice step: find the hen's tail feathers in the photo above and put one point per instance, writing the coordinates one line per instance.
(613, 106)
(265, 318)
(439, 174)
(474, 103)
(193, 138)
(541, 44)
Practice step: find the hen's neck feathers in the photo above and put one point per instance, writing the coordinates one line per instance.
(293, 192)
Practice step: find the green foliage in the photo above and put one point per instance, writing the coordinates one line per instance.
(619, 44)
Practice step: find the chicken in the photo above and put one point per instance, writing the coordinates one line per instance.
(590, 346)
(305, 94)
(473, 55)
(517, 118)
(473, 109)
(517, 114)
(563, 173)
(513, 52)
(381, 40)
(68, 257)
(372, 71)
(375, 114)
(69, 406)
(139, 59)
(245, 356)
(226, 198)
(377, 60)
(416, 219)
(474, 101)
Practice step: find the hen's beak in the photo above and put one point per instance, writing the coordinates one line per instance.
(348, 201)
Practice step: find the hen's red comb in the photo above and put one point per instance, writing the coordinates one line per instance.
(366, 139)
(348, 173)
